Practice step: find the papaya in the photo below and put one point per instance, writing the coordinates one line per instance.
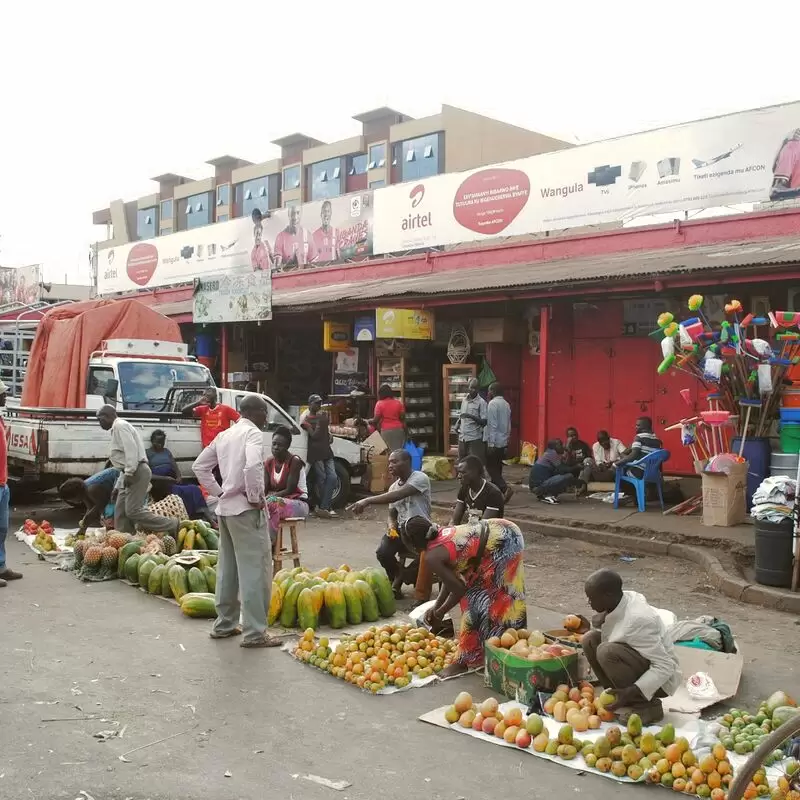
(352, 601)
(344, 568)
(166, 589)
(125, 552)
(212, 559)
(336, 605)
(202, 562)
(199, 606)
(369, 603)
(275, 603)
(212, 540)
(182, 537)
(200, 542)
(286, 584)
(319, 596)
(280, 575)
(334, 577)
(379, 583)
(210, 574)
(146, 566)
(132, 569)
(288, 615)
(178, 581)
(187, 523)
(307, 617)
(296, 570)
(196, 581)
(324, 572)
(155, 579)
(188, 543)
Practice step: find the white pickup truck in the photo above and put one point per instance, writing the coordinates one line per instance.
(48, 445)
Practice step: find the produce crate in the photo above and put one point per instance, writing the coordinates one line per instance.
(561, 635)
(520, 679)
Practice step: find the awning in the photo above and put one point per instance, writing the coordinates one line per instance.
(587, 269)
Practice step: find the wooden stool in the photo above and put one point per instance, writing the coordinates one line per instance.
(280, 553)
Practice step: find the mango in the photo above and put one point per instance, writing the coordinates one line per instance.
(606, 698)
(619, 769)
(602, 747)
(534, 725)
(635, 772)
(451, 715)
(614, 735)
(540, 742)
(565, 734)
(591, 760)
(552, 747)
(667, 734)
(635, 725)
(648, 744)
(629, 755)
(603, 764)
(567, 752)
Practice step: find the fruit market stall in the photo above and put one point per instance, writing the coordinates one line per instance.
(684, 753)
(53, 544)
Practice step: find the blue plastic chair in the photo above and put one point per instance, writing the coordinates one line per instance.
(651, 464)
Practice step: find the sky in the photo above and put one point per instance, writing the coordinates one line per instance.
(95, 98)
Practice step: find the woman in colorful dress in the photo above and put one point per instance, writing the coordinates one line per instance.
(285, 483)
(480, 566)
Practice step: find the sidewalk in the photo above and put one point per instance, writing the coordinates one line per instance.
(594, 514)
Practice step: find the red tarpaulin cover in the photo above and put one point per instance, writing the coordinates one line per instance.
(67, 335)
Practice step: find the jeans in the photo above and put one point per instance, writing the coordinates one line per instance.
(555, 485)
(5, 495)
(494, 466)
(325, 480)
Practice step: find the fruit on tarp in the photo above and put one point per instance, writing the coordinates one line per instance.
(667, 734)
(108, 562)
(379, 583)
(335, 605)
(777, 700)
(634, 725)
(369, 603)
(199, 604)
(288, 616)
(783, 714)
(352, 600)
(307, 616)
(275, 602)
(146, 566)
(178, 581)
(79, 551)
(117, 540)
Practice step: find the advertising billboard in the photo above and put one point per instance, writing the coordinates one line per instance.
(241, 296)
(749, 157)
(302, 237)
(20, 284)
(403, 323)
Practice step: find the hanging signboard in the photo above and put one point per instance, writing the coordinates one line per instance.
(299, 237)
(750, 157)
(403, 323)
(243, 296)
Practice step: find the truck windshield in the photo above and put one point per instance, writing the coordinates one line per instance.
(144, 384)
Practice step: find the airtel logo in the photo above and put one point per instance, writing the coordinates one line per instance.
(416, 221)
(416, 195)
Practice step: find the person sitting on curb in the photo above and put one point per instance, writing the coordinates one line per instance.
(550, 476)
(629, 649)
(478, 498)
(606, 451)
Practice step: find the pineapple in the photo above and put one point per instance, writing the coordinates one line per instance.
(91, 558)
(117, 540)
(108, 560)
(170, 545)
(79, 551)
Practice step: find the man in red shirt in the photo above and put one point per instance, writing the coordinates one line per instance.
(326, 237)
(6, 574)
(294, 245)
(214, 417)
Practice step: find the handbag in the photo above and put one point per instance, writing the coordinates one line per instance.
(474, 563)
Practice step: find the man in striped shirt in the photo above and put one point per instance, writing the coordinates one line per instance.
(644, 443)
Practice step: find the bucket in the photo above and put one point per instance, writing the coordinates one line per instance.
(757, 452)
(774, 553)
(204, 345)
(790, 414)
(783, 464)
(791, 398)
(790, 437)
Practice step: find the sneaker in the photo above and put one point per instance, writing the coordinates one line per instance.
(321, 513)
(333, 515)
(3, 583)
(550, 500)
(9, 575)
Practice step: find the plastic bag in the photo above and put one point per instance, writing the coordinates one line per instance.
(712, 369)
(764, 378)
(486, 377)
(527, 454)
(701, 687)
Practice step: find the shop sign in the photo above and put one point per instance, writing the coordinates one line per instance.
(237, 296)
(364, 328)
(299, 237)
(335, 336)
(404, 323)
(750, 157)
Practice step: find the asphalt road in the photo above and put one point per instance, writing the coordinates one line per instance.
(108, 651)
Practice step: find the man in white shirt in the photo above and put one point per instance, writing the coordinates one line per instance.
(129, 457)
(470, 424)
(606, 451)
(244, 569)
(629, 649)
(497, 433)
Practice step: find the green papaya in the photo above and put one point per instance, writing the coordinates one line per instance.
(210, 574)
(336, 604)
(132, 569)
(307, 617)
(178, 581)
(369, 603)
(156, 578)
(166, 589)
(125, 552)
(380, 584)
(146, 566)
(197, 583)
(288, 617)
(352, 600)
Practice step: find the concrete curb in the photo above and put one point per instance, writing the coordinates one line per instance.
(732, 586)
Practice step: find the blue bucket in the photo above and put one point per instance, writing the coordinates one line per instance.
(416, 454)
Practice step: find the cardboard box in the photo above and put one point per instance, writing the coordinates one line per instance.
(724, 497)
(497, 330)
(520, 679)
(375, 445)
(378, 474)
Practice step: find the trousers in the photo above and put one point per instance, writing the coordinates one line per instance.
(325, 481)
(244, 574)
(475, 447)
(387, 554)
(130, 509)
(5, 496)
(494, 466)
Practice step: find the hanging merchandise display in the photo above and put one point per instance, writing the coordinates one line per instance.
(458, 347)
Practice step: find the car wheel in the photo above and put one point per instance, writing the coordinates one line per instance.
(341, 493)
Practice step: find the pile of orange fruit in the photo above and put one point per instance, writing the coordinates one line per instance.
(708, 776)
(386, 655)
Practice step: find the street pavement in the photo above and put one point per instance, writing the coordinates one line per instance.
(113, 653)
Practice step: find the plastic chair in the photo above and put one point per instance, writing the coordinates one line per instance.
(651, 464)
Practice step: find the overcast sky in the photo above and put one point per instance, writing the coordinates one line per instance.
(96, 97)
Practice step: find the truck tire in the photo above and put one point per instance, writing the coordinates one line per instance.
(341, 493)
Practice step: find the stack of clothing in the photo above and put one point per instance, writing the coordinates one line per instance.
(703, 633)
(773, 501)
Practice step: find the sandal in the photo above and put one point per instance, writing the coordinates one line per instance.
(226, 635)
(265, 641)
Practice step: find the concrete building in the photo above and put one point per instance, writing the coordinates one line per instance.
(391, 148)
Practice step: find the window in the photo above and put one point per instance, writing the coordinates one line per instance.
(260, 193)
(376, 184)
(377, 156)
(98, 380)
(166, 209)
(275, 416)
(357, 165)
(420, 157)
(291, 178)
(197, 211)
(326, 179)
(146, 223)
(145, 385)
(223, 194)
(223, 218)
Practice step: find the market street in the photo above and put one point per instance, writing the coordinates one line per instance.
(114, 653)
